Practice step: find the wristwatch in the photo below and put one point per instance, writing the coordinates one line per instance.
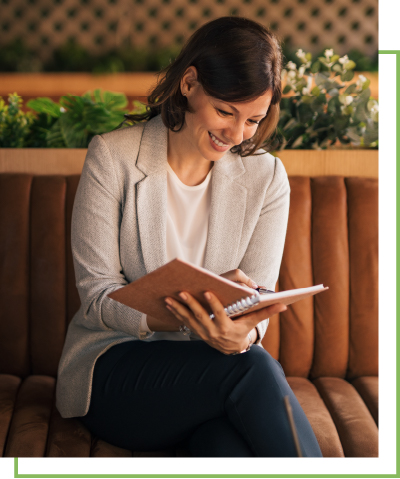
(245, 350)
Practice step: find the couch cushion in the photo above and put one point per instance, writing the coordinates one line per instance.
(297, 322)
(30, 421)
(363, 243)
(357, 430)
(8, 394)
(67, 437)
(330, 257)
(368, 389)
(318, 415)
(14, 273)
(47, 273)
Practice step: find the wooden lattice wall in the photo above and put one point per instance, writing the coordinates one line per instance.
(100, 25)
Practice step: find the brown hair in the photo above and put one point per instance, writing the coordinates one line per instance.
(236, 59)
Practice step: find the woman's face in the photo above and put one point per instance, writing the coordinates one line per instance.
(214, 120)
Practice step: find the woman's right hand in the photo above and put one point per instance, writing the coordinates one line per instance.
(237, 276)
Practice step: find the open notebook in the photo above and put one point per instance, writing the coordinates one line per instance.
(147, 293)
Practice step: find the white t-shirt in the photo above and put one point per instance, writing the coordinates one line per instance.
(188, 211)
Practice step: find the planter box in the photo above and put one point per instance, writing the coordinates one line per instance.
(69, 161)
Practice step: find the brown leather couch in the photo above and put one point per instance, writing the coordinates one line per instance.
(327, 345)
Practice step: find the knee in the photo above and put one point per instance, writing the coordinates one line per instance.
(259, 360)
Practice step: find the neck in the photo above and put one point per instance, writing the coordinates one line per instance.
(190, 170)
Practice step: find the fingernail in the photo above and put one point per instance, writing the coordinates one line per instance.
(254, 285)
(183, 296)
(168, 301)
(208, 296)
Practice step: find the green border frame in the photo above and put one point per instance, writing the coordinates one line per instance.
(17, 475)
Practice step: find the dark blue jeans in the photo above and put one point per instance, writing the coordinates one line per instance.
(156, 395)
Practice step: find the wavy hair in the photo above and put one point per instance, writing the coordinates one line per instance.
(237, 60)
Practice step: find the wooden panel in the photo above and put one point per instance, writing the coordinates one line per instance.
(69, 161)
(131, 83)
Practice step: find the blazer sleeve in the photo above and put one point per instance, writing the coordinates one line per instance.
(95, 231)
(263, 256)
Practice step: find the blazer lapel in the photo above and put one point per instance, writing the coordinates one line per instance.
(151, 194)
(227, 214)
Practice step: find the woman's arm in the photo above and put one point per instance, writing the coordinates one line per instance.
(263, 256)
(96, 220)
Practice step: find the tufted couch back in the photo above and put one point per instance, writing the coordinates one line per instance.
(332, 239)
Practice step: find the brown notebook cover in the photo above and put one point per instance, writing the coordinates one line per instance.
(147, 294)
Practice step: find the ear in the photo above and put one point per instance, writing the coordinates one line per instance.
(189, 80)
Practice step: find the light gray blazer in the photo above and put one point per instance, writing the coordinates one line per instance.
(119, 235)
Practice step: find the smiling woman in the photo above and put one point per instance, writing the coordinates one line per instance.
(235, 61)
(185, 182)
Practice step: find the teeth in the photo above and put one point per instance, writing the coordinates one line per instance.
(217, 142)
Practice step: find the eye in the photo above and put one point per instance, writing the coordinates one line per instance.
(226, 113)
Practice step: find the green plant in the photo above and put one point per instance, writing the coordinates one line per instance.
(76, 119)
(14, 124)
(315, 117)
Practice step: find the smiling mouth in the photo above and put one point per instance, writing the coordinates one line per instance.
(217, 141)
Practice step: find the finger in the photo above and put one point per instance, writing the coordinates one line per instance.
(199, 314)
(176, 313)
(220, 317)
(243, 278)
(187, 316)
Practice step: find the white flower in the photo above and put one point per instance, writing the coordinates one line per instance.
(63, 110)
(361, 80)
(292, 74)
(300, 54)
(345, 99)
(344, 59)
(302, 69)
(291, 65)
(307, 90)
(328, 53)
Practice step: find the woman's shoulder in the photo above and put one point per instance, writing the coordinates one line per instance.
(263, 165)
(124, 138)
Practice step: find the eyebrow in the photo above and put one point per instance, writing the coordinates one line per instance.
(237, 111)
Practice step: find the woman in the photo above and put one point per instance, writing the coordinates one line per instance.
(185, 183)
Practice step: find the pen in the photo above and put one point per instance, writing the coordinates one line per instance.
(262, 290)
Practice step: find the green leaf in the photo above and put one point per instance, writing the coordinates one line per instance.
(348, 76)
(334, 58)
(337, 68)
(315, 67)
(349, 65)
(287, 89)
(306, 99)
(316, 91)
(333, 92)
(350, 89)
(45, 105)
(366, 84)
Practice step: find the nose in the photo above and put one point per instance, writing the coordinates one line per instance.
(235, 134)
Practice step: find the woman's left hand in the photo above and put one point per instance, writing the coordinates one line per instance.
(222, 333)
